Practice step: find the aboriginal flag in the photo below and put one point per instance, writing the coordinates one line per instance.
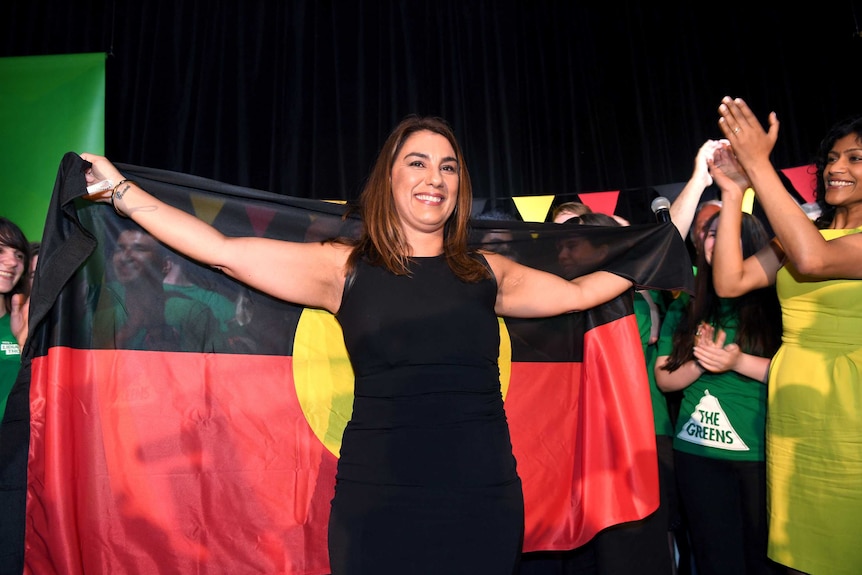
(194, 426)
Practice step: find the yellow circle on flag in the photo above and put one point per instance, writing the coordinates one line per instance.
(324, 378)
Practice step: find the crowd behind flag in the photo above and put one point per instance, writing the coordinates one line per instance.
(148, 427)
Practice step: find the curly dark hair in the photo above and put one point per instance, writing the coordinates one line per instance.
(842, 128)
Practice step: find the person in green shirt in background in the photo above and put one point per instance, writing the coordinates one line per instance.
(717, 351)
(160, 319)
(15, 287)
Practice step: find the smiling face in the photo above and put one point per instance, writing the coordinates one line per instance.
(136, 256)
(568, 254)
(12, 263)
(425, 178)
(842, 176)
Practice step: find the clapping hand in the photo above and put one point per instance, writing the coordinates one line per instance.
(710, 351)
(727, 173)
(701, 160)
(747, 137)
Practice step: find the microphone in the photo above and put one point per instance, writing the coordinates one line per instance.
(661, 208)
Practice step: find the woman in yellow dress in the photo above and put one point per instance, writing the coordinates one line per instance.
(814, 417)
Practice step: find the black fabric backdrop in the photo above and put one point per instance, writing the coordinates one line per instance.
(547, 97)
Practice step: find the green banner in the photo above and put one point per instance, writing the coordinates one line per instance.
(49, 105)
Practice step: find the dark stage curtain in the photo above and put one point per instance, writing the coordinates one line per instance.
(562, 97)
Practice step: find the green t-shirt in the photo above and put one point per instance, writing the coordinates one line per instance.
(221, 307)
(187, 325)
(722, 415)
(10, 360)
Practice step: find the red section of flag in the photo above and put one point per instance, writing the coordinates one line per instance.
(584, 438)
(146, 455)
(202, 462)
(601, 202)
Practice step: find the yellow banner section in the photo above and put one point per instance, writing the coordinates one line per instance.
(206, 208)
(748, 200)
(533, 208)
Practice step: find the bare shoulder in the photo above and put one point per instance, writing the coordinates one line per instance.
(499, 264)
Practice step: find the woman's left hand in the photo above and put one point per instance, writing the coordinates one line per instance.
(712, 354)
(749, 140)
(727, 173)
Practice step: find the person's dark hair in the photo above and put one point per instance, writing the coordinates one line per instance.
(757, 313)
(497, 215)
(595, 219)
(382, 241)
(12, 236)
(851, 125)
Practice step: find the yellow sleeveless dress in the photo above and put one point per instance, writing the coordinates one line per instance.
(814, 425)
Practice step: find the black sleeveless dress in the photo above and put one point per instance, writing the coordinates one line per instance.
(426, 478)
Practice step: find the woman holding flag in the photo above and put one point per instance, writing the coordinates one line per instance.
(426, 479)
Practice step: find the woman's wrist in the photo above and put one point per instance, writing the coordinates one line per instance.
(118, 194)
(701, 178)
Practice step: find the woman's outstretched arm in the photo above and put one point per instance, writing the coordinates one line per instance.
(306, 274)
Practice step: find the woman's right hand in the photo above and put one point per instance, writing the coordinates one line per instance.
(711, 353)
(101, 169)
(701, 167)
(727, 173)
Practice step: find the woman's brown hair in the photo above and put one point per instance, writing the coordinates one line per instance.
(382, 241)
